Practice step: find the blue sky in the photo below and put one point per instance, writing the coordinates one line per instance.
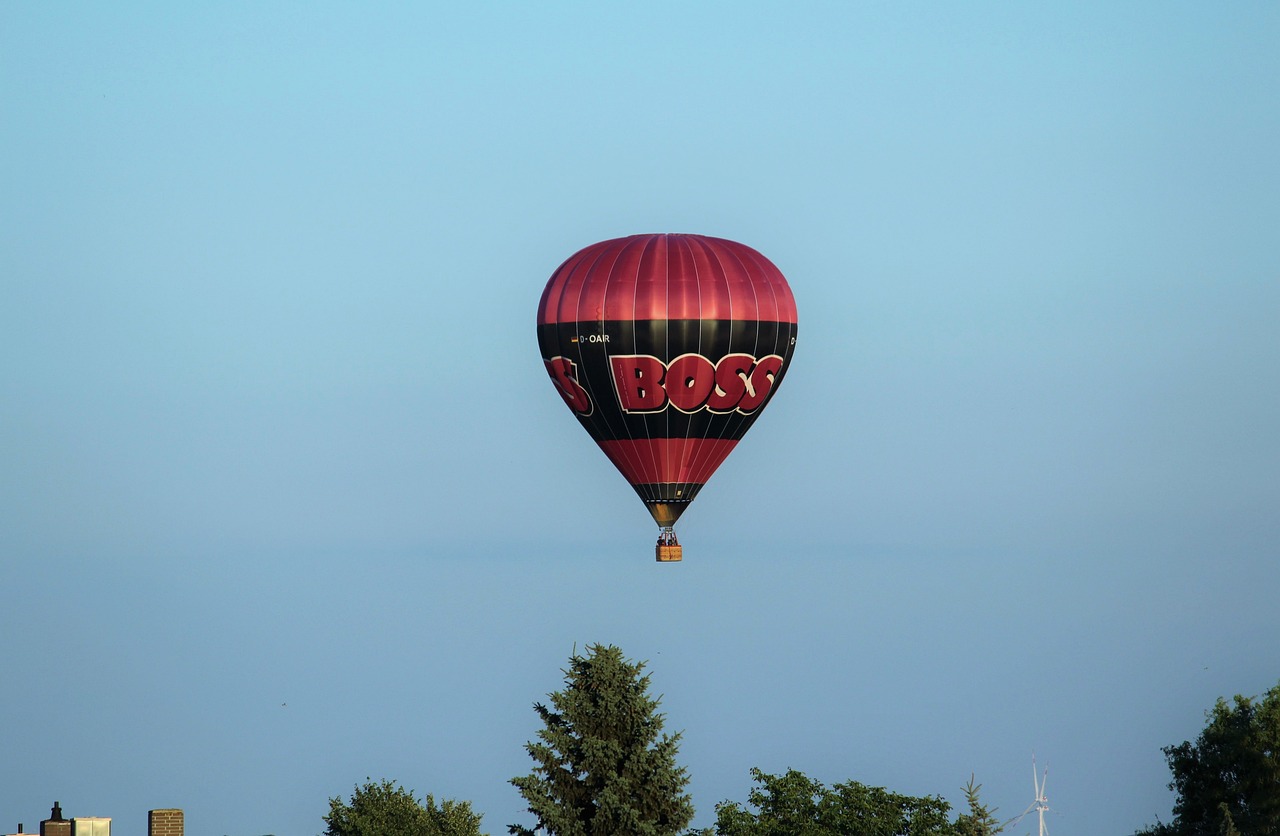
(286, 499)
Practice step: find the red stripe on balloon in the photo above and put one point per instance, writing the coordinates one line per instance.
(666, 276)
(656, 460)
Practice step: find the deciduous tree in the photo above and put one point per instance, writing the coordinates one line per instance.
(795, 805)
(1228, 781)
(386, 809)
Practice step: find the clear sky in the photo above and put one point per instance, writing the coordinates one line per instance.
(287, 500)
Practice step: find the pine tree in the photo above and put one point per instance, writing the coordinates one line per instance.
(602, 765)
(980, 820)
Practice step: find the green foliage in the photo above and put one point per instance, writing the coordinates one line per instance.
(980, 820)
(385, 809)
(795, 805)
(602, 765)
(1228, 781)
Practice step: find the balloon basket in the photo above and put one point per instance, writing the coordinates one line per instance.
(668, 549)
(670, 554)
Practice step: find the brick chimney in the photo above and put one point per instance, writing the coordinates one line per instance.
(164, 823)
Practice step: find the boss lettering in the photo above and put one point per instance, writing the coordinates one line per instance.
(690, 382)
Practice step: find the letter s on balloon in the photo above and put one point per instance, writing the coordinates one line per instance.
(760, 382)
(565, 376)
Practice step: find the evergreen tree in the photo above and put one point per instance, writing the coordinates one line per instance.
(602, 766)
(981, 819)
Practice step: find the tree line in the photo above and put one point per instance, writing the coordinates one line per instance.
(603, 766)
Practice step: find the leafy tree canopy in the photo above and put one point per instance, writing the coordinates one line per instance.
(602, 766)
(1228, 781)
(795, 805)
(387, 809)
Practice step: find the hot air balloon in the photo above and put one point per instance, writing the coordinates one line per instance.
(666, 347)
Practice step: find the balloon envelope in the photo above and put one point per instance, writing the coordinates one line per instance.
(666, 347)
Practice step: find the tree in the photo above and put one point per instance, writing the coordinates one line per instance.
(981, 819)
(795, 805)
(602, 765)
(386, 809)
(1228, 781)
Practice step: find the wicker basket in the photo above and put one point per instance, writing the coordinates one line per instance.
(669, 554)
